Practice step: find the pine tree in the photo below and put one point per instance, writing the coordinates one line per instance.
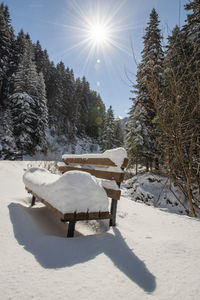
(192, 26)
(118, 134)
(28, 103)
(24, 121)
(191, 33)
(8, 140)
(137, 140)
(59, 101)
(84, 105)
(108, 138)
(149, 70)
(68, 94)
(42, 114)
(96, 115)
(6, 43)
(75, 106)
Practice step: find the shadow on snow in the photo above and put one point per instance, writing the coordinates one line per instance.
(56, 252)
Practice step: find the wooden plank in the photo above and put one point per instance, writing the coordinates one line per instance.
(125, 163)
(114, 194)
(86, 216)
(117, 176)
(73, 216)
(90, 161)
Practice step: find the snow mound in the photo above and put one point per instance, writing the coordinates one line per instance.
(156, 190)
(73, 191)
(117, 155)
(109, 184)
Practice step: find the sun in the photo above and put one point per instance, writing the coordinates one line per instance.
(98, 33)
(95, 32)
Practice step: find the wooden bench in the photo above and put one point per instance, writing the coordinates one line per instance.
(100, 167)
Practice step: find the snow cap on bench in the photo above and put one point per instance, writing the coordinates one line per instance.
(116, 155)
(73, 191)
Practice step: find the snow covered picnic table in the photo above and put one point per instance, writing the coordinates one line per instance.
(79, 194)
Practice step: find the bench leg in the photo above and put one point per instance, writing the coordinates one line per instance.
(33, 201)
(71, 229)
(113, 212)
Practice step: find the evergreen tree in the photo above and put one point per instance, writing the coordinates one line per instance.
(75, 106)
(118, 134)
(28, 103)
(39, 57)
(42, 114)
(149, 70)
(60, 98)
(7, 142)
(191, 33)
(69, 89)
(137, 140)
(108, 137)
(51, 90)
(96, 116)
(192, 27)
(6, 43)
(19, 48)
(84, 105)
(24, 121)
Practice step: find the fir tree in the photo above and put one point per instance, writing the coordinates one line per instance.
(108, 137)
(137, 140)
(28, 103)
(42, 114)
(150, 69)
(84, 105)
(118, 134)
(96, 115)
(191, 33)
(24, 121)
(75, 105)
(6, 43)
(8, 140)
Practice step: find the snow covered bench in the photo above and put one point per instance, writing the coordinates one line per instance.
(108, 166)
(79, 194)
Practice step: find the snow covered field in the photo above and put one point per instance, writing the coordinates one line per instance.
(151, 254)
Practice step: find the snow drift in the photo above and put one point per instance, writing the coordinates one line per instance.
(156, 190)
(73, 191)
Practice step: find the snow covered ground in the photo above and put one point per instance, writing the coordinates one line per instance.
(151, 254)
(59, 145)
(156, 190)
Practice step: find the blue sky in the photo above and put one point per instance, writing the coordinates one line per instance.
(60, 26)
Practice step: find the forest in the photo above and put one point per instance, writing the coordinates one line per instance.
(39, 98)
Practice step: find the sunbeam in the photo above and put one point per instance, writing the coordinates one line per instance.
(96, 30)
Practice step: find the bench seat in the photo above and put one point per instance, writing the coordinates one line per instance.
(71, 192)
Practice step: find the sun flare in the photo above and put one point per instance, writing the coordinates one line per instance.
(98, 33)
